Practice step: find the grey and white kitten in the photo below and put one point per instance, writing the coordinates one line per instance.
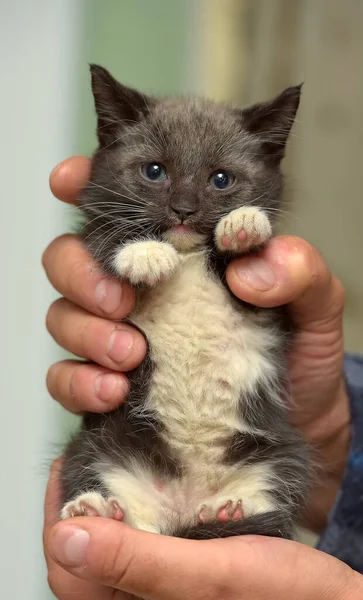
(202, 447)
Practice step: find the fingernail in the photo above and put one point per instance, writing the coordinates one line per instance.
(108, 295)
(69, 546)
(257, 273)
(120, 345)
(108, 387)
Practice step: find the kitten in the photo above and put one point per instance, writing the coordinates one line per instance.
(202, 447)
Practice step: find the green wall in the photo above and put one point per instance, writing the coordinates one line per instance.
(144, 43)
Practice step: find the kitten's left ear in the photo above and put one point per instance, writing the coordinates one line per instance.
(116, 104)
(272, 121)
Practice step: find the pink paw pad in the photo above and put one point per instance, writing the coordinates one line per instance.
(241, 238)
(226, 241)
(228, 512)
(84, 510)
(114, 511)
(242, 235)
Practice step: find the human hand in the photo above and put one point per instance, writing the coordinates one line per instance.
(289, 271)
(84, 327)
(102, 559)
(84, 320)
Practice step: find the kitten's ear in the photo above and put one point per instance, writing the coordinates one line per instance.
(115, 104)
(272, 121)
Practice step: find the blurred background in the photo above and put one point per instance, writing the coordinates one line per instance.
(236, 50)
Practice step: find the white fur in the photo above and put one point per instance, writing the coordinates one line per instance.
(253, 221)
(207, 354)
(184, 241)
(80, 506)
(148, 261)
(154, 506)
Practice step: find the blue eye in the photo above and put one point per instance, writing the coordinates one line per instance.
(154, 172)
(221, 180)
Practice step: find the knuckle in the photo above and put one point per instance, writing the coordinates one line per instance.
(337, 300)
(113, 571)
(55, 246)
(51, 382)
(49, 316)
(339, 291)
(56, 584)
(314, 270)
(77, 383)
(86, 337)
(48, 253)
(45, 256)
(75, 277)
(53, 316)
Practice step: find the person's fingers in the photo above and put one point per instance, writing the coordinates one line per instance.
(83, 387)
(72, 271)
(52, 496)
(289, 271)
(69, 177)
(116, 346)
(145, 564)
(157, 567)
(64, 585)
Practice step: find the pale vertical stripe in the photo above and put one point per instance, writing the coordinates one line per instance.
(39, 49)
(219, 66)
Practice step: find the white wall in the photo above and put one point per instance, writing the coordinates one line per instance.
(38, 55)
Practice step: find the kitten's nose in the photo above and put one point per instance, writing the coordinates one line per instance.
(183, 211)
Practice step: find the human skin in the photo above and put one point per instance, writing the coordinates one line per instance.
(288, 271)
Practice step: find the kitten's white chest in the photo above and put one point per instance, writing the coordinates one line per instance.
(206, 354)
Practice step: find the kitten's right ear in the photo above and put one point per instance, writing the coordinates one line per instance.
(115, 104)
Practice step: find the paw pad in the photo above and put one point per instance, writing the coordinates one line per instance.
(242, 229)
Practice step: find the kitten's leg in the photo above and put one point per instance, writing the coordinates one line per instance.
(92, 504)
(146, 262)
(242, 229)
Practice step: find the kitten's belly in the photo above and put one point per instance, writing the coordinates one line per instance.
(206, 355)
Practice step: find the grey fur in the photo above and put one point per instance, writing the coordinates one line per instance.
(193, 137)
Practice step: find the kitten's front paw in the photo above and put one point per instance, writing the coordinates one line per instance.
(146, 262)
(92, 504)
(242, 229)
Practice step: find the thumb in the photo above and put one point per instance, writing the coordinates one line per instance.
(144, 564)
(290, 271)
(156, 567)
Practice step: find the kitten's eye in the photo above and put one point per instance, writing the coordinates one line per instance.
(221, 180)
(154, 172)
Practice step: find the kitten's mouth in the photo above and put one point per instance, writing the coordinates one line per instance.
(184, 238)
(181, 229)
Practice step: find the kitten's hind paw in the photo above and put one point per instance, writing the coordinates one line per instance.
(146, 262)
(229, 511)
(92, 504)
(242, 229)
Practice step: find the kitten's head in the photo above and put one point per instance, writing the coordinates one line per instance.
(174, 167)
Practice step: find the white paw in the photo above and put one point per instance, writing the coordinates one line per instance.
(242, 229)
(146, 262)
(92, 504)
